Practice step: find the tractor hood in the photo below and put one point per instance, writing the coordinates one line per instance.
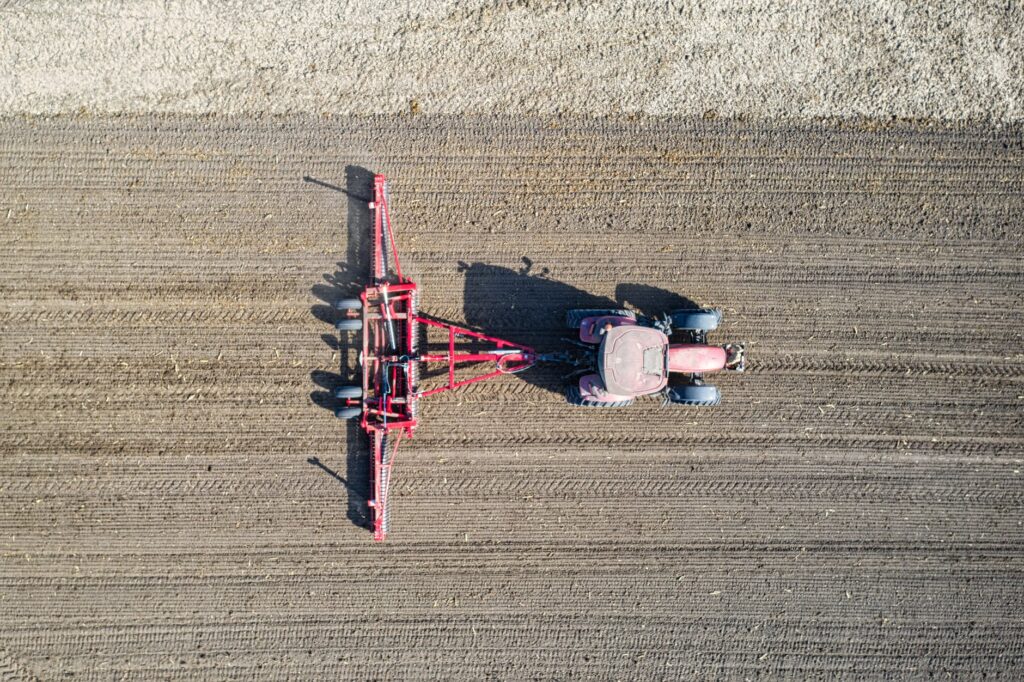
(633, 360)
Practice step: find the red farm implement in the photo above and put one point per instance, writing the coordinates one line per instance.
(386, 312)
(616, 356)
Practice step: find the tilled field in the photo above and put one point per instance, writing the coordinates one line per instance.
(178, 503)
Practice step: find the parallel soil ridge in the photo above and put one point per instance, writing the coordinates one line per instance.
(178, 501)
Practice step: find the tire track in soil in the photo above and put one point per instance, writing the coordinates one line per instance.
(853, 506)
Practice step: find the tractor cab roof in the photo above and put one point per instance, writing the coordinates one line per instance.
(633, 360)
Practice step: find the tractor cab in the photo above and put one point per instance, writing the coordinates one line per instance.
(633, 360)
(632, 357)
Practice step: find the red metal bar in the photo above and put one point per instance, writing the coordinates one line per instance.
(378, 502)
(400, 287)
(525, 357)
(461, 331)
(380, 190)
(466, 357)
(399, 424)
(460, 384)
(363, 421)
(451, 357)
(385, 413)
(378, 262)
(384, 463)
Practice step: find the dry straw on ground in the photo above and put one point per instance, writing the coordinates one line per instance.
(832, 58)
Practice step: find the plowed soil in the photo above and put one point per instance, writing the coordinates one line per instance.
(179, 502)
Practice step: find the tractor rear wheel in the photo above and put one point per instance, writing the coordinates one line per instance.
(696, 320)
(573, 395)
(348, 304)
(348, 325)
(695, 394)
(342, 392)
(573, 318)
(348, 412)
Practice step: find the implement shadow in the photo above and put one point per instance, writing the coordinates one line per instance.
(346, 282)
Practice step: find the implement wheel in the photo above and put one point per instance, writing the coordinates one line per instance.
(348, 304)
(348, 412)
(343, 392)
(348, 325)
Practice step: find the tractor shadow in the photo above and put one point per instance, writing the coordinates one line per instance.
(528, 306)
(346, 282)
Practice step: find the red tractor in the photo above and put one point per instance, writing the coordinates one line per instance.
(618, 356)
(631, 356)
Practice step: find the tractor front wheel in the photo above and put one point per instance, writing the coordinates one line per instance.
(697, 320)
(573, 318)
(703, 395)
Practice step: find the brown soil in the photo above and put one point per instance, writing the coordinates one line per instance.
(176, 503)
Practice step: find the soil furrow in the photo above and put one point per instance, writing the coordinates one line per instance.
(178, 501)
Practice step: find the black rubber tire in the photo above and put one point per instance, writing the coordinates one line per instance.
(574, 317)
(574, 397)
(348, 412)
(348, 304)
(701, 395)
(343, 392)
(348, 325)
(696, 320)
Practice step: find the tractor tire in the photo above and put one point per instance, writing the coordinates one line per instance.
(702, 395)
(348, 304)
(697, 320)
(343, 392)
(573, 395)
(573, 318)
(348, 325)
(348, 412)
